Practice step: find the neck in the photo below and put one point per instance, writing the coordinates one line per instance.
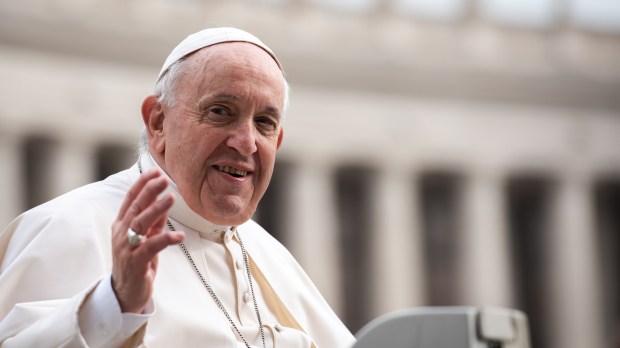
(180, 211)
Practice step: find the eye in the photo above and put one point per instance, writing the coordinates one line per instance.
(216, 114)
(220, 111)
(267, 124)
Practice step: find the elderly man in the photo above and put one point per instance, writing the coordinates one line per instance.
(164, 254)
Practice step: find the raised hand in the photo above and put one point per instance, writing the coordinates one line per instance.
(134, 266)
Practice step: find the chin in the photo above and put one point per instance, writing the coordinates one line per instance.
(228, 212)
(229, 218)
(230, 221)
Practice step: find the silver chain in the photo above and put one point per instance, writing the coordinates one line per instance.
(210, 289)
(214, 296)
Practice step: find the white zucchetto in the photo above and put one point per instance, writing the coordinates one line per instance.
(209, 37)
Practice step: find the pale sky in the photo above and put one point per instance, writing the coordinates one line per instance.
(600, 15)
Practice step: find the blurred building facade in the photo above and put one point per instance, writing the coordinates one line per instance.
(453, 152)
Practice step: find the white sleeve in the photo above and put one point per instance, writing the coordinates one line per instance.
(100, 319)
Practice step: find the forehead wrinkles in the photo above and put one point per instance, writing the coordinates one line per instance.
(243, 55)
(229, 66)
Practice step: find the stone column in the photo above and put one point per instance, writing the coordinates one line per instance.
(11, 179)
(312, 228)
(486, 259)
(397, 260)
(574, 281)
(72, 165)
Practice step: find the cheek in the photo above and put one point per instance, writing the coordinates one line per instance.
(185, 161)
(267, 164)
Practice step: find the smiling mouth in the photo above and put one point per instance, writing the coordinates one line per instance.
(237, 173)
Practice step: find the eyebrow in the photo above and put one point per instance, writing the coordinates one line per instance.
(227, 96)
(275, 112)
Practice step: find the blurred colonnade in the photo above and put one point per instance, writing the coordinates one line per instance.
(449, 155)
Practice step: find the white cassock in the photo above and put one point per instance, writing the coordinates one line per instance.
(55, 273)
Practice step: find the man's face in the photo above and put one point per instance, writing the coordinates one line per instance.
(219, 140)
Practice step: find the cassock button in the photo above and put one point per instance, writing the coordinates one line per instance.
(239, 264)
(246, 297)
(278, 327)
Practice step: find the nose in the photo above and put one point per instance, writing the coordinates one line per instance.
(243, 138)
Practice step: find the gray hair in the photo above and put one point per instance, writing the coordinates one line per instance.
(164, 90)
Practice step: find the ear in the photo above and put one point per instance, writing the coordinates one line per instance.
(280, 137)
(153, 117)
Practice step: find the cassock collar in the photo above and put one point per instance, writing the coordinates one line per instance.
(180, 211)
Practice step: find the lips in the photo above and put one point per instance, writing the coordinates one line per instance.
(237, 173)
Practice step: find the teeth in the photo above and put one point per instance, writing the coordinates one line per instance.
(232, 170)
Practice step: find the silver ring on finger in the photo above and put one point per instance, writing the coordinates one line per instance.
(134, 237)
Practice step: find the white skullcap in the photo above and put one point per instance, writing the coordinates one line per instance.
(209, 37)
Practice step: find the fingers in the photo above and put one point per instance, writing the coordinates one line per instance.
(154, 244)
(151, 219)
(136, 189)
(155, 217)
(141, 209)
(144, 211)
